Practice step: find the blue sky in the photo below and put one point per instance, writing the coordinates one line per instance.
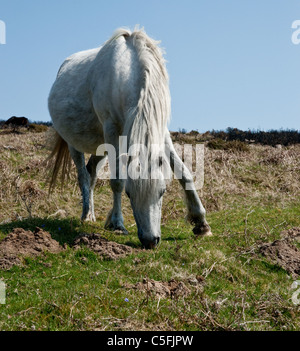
(232, 63)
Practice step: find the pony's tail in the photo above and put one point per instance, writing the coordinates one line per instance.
(62, 160)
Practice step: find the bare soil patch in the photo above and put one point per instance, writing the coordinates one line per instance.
(25, 243)
(284, 253)
(103, 247)
(292, 233)
(173, 288)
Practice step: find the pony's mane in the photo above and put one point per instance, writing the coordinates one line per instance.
(153, 109)
(148, 121)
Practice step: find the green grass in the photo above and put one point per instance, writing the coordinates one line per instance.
(77, 290)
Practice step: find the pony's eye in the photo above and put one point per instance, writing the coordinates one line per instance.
(162, 192)
(160, 161)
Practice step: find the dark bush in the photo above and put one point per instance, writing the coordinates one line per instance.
(271, 137)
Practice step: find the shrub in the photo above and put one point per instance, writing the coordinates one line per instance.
(234, 145)
(37, 128)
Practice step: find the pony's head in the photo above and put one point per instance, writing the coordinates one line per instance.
(146, 201)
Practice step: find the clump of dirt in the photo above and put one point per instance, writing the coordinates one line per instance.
(284, 253)
(173, 288)
(292, 233)
(103, 247)
(25, 243)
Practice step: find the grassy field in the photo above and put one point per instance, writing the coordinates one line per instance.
(251, 196)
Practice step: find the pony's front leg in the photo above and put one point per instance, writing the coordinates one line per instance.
(196, 211)
(115, 220)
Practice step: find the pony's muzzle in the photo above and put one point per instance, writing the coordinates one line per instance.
(150, 244)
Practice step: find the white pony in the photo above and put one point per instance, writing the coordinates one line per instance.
(120, 89)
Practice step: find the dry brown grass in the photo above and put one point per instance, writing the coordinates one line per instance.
(253, 175)
(263, 175)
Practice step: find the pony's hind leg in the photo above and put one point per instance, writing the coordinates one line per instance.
(83, 180)
(93, 165)
(196, 211)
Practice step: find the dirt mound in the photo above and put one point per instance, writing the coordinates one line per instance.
(103, 247)
(25, 243)
(172, 288)
(284, 253)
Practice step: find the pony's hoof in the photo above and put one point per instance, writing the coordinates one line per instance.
(202, 230)
(121, 230)
(89, 218)
(117, 228)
